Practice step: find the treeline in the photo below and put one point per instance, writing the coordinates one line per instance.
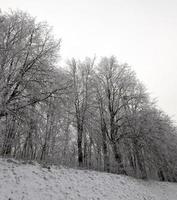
(90, 114)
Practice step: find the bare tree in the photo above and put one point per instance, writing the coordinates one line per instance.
(81, 76)
(28, 52)
(115, 92)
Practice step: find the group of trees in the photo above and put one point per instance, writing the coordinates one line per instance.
(89, 114)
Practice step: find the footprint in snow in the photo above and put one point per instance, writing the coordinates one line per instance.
(123, 183)
(91, 178)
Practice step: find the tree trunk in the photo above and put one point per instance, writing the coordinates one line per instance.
(79, 145)
(44, 146)
(66, 144)
(28, 150)
(85, 152)
(105, 153)
(90, 155)
(140, 161)
(28, 147)
(118, 158)
(9, 137)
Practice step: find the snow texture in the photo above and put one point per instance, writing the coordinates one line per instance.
(32, 182)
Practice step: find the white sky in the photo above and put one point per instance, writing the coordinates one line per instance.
(142, 33)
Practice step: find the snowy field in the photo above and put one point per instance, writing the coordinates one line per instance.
(32, 182)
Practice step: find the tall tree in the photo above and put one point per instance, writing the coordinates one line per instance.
(81, 76)
(116, 90)
(28, 53)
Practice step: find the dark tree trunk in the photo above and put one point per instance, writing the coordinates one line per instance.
(90, 155)
(43, 153)
(7, 146)
(141, 165)
(132, 163)
(118, 158)
(79, 145)
(9, 137)
(161, 175)
(140, 160)
(105, 153)
(85, 152)
(66, 143)
(45, 146)
(28, 147)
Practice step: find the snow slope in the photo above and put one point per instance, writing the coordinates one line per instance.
(32, 182)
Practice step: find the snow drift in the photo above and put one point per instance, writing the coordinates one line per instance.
(32, 182)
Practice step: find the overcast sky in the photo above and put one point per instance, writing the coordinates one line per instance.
(142, 33)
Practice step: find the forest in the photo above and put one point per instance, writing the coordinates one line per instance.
(92, 113)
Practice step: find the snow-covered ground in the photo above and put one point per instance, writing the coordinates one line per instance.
(32, 182)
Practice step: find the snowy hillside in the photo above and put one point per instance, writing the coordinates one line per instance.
(32, 182)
